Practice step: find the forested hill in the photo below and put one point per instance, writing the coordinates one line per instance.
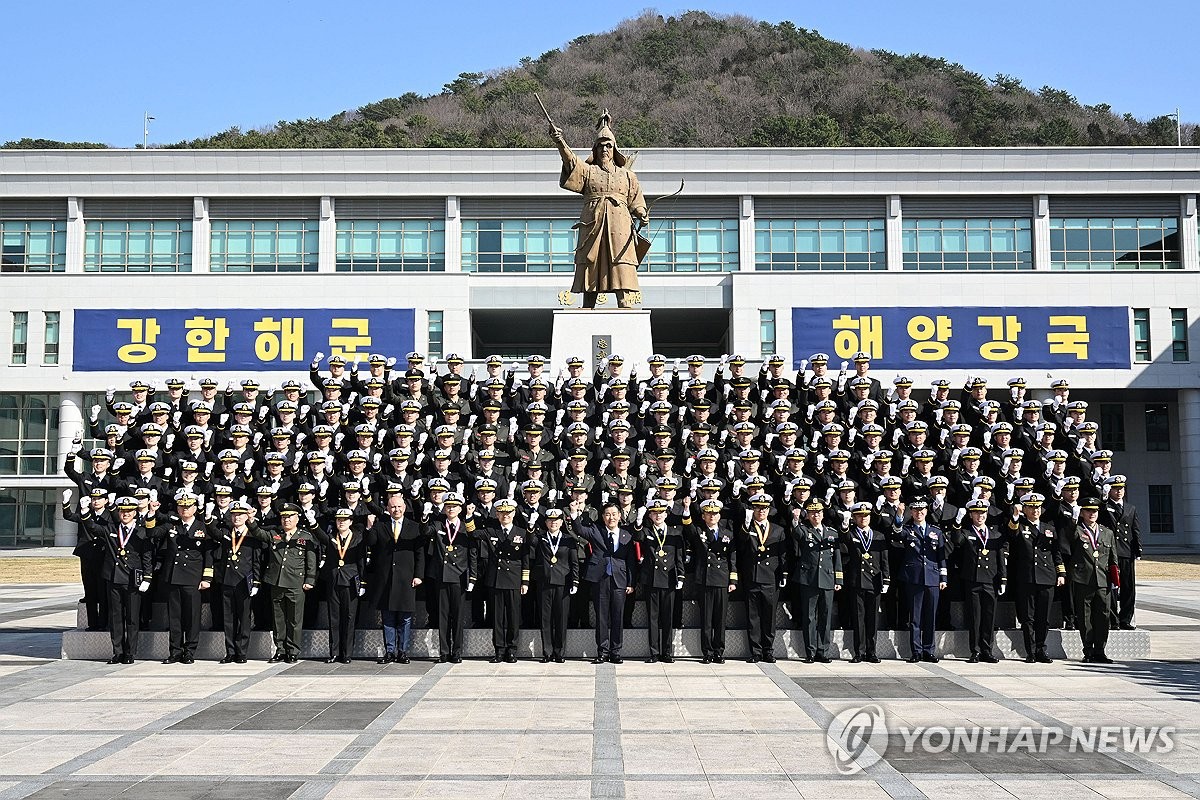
(703, 80)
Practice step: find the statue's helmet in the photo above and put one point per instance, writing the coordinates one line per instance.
(604, 133)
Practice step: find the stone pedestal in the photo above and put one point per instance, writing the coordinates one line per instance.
(596, 334)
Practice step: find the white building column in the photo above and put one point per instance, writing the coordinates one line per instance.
(1187, 519)
(75, 234)
(453, 235)
(201, 235)
(746, 243)
(327, 237)
(1041, 232)
(1188, 250)
(894, 234)
(70, 425)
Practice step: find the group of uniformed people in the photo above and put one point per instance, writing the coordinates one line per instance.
(502, 493)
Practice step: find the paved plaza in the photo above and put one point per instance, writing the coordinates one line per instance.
(82, 729)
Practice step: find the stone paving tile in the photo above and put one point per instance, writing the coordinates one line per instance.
(31, 754)
(241, 753)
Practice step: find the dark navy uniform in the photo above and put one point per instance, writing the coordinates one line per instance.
(1122, 519)
(980, 564)
(504, 569)
(714, 569)
(345, 558)
(554, 567)
(763, 567)
(1034, 567)
(662, 569)
(450, 563)
(239, 560)
(817, 570)
(128, 563)
(185, 560)
(866, 564)
(921, 564)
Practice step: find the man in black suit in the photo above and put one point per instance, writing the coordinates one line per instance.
(662, 570)
(128, 565)
(504, 569)
(763, 561)
(450, 565)
(614, 555)
(396, 554)
(714, 568)
(186, 567)
(868, 575)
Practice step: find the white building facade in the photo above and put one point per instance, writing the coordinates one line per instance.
(1042, 263)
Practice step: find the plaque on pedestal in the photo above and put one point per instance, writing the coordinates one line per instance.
(596, 334)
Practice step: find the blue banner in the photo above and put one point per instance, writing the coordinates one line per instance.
(973, 337)
(234, 339)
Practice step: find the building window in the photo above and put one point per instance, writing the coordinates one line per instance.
(20, 337)
(435, 334)
(1179, 335)
(28, 434)
(522, 245)
(978, 244)
(163, 245)
(1115, 243)
(1141, 335)
(1112, 427)
(1162, 509)
(766, 331)
(260, 245)
(33, 246)
(50, 340)
(411, 245)
(692, 245)
(819, 244)
(1158, 428)
(27, 517)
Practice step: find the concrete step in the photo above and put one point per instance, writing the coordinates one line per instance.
(581, 643)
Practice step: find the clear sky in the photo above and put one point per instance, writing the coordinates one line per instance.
(89, 70)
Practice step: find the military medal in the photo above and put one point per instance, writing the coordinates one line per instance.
(123, 537)
(554, 543)
(237, 544)
(341, 562)
(662, 553)
(762, 538)
(451, 535)
(553, 559)
(121, 552)
(1094, 538)
(342, 545)
(865, 537)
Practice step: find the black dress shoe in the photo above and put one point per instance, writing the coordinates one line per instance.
(544, 660)
(824, 659)
(974, 659)
(455, 659)
(1042, 658)
(600, 660)
(855, 659)
(1029, 659)
(929, 658)
(127, 659)
(752, 660)
(652, 660)
(806, 660)
(291, 658)
(386, 658)
(616, 660)
(115, 660)
(706, 660)
(240, 660)
(768, 658)
(402, 658)
(559, 660)
(443, 659)
(874, 659)
(988, 658)
(331, 660)
(187, 658)
(913, 659)
(171, 660)
(226, 660)
(667, 659)
(1127, 626)
(275, 658)
(496, 659)
(1101, 659)
(510, 658)
(718, 659)
(343, 659)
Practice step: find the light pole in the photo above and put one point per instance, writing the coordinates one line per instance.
(146, 130)
(1178, 127)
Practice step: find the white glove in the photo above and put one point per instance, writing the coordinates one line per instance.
(317, 359)
(803, 364)
(254, 591)
(95, 413)
(109, 393)
(262, 412)
(1003, 586)
(144, 586)
(958, 518)
(376, 460)
(879, 502)
(362, 590)
(641, 515)
(427, 509)
(573, 590)
(678, 364)
(884, 589)
(679, 584)
(66, 497)
(783, 583)
(471, 586)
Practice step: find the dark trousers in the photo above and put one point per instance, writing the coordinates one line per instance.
(287, 606)
(579, 606)
(609, 600)
(1122, 599)
(816, 616)
(183, 619)
(342, 606)
(761, 602)
(553, 603)
(714, 604)
(923, 601)
(235, 616)
(866, 621)
(124, 619)
(660, 605)
(450, 618)
(506, 618)
(1033, 615)
(95, 592)
(1067, 599)
(981, 618)
(1091, 617)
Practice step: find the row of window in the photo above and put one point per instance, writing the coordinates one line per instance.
(1142, 352)
(547, 245)
(52, 320)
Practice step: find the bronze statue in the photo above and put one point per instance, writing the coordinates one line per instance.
(608, 248)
